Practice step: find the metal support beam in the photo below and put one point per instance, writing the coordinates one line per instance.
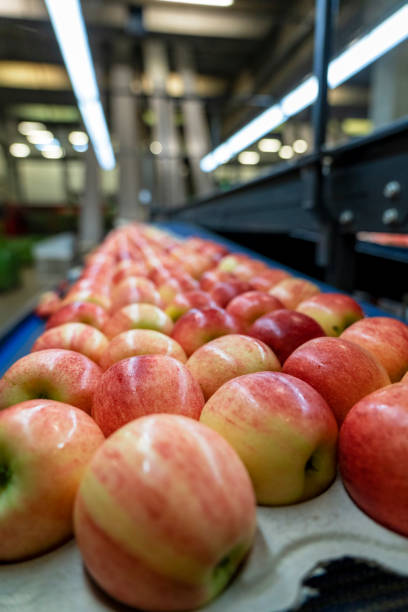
(126, 131)
(196, 130)
(90, 218)
(170, 190)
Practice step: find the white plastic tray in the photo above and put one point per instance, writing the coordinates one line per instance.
(290, 542)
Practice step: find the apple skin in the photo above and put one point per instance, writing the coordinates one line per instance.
(44, 449)
(268, 279)
(57, 374)
(143, 385)
(48, 303)
(157, 526)
(373, 454)
(183, 302)
(127, 268)
(225, 291)
(134, 290)
(199, 326)
(138, 316)
(341, 371)
(292, 291)
(386, 339)
(284, 331)
(283, 430)
(140, 342)
(227, 357)
(87, 295)
(333, 311)
(251, 305)
(79, 312)
(78, 337)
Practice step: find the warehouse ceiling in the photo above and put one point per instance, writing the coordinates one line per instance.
(245, 54)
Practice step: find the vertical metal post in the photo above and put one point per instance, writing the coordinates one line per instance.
(336, 248)
(322, 50)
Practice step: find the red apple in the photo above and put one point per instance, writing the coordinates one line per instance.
(128, 268)
(78, 337)
(197, 327)
(284, 331)
(144, 385)
(386, 339)
(292, 291)
(224, 291)
(251, 305)
(165, 514)
(57, 374)
(373, 453)
(87, 295)
(79, 312)
(341, 371)
(48, 303)
(268, 279)
(333, 311)
(227, 357)
(283, 430)
(183, 302)
(44, 448)
(138, 316)
(134, 290)
(140, 342)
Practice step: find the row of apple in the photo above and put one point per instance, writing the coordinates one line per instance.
(184, 328)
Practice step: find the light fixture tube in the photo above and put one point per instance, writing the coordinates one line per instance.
(203, 2)
(359, 55)
(69, 27)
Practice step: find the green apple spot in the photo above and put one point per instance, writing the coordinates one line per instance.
(225, 569)
(5, 475)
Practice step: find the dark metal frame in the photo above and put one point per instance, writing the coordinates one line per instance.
(333, 193)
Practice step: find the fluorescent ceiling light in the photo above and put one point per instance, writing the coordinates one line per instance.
(19, 149)
(286, 152)
(359, 55)
(300, 146)
(78, 138)
(269, 145)
(156, 147)
(370, 47)
(41, 137)
(28, 127)
(67, 21)
(249, 158)
(53, 144)
(203, 2)
(55, 153)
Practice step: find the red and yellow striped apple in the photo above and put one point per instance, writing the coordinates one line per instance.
(138, 316)
(57, 374)
(249, 306)
(341, 371)
(216, 362)
(44, 449)
(373, 455)
(140, 342)
(79, 312)
(165, 514)
(333, 311)
(292, 291)
(144, 385)
(133, 290)
(78, 337)
(199, 326)
(386, 339)
(283, 430)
